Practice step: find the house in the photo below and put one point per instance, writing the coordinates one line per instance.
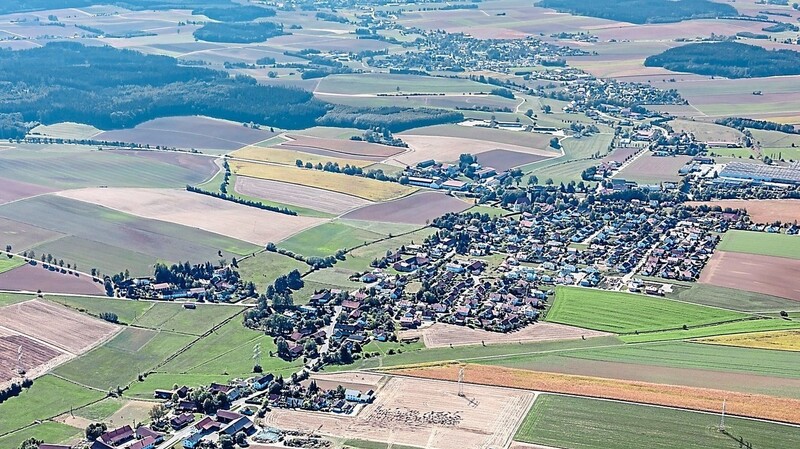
(144, 432)
(353, 395)
(263, 382)
(227, 416)
(231, 392)
(207, 425)
(181, 421)
(117, 436)
(321, 297)
(242, 424)
(452, 184)
(144, 443)
(186, 406)
(162, 394)
(193, 440)
(97, 444)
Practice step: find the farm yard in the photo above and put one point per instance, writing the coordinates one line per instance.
(299, 195)
(761, 211)
(198, 211)
(765, 274)
(420, 209)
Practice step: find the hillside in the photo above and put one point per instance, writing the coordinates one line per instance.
(642, 11)
(728, 59)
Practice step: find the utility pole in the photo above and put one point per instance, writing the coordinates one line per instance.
(722, 417)
(461, 382)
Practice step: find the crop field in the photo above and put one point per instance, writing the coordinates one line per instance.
(140, 350)
(74, 166)
(563, 421)
(298, 195)
(360, 258)
(729, 298)
(16, 190)
(629, 313)
(778, 245)
(735, 327)
(326, 239)
(170, 317)
(7, 264)
(419, 209)
(777, 340)
(339, 148)
(651, 169)
(87, 254)
(703, 399)
(503, 160)
(38, 357)
(376, 83)
(126, 310)
(775, 139)
(365, 188)
(754, 273)
(115, 230)
(283, 155)
(761, 211)
(203, 166)
(190, 132)
(66, 130)
(198, 211)
(442, 335)
(29, 278)
(265, 267)
(397, 415)
(22, 236)
(707, 132)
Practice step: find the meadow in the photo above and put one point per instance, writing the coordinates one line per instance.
(326, 239)
(777, 340)
(737, 327)
(779, 245)
(46, 431)
(126, 311)
(628, 313)
(563, 421)
(265, 267)
(8, 264)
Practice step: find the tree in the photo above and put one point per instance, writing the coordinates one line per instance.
(283, 347)
(157, 413)
(241, 439)
(30, 443)
(226, 442)
(94, 430)
(529, 113)
(555, 143)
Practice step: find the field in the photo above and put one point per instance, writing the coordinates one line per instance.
(368, 189)
(563, 421)
(729, 298)
(763, 274)
(761, 211)
(778, 245)
(740, 404)
(326, 239)
(202, 166)
(503, 160)
(446, 143)
(753, 325)
(198, 211)
(189, 132)
(707, 132)
(778, 340)
(38, 357)
(649, 169)
(7, 264)
(22, 236)
(284, 155)
(66, 130)
(628, 313)
(116, 235)
(384, 83)
(16, 190)
(264, 268)
(397, 415)
(442, 335)
(298, 195)
(419, 209)
(339, 148)
(360, 258)
(126, 311)
(46, 431)
(29, 278)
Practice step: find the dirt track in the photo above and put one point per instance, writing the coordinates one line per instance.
(776, 276)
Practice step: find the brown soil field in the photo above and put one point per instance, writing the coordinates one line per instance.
(23, 236)
(339, 147)
(16, 190)
(34, 354)
(189, 132)
(649, 169)
(423, 413)
(32, 278)
(504, 159)
(237, 221)
(203, 166)
(447, 149)
(440, 334)
(775, 276)
(415, 209)
(298, 195)
(741, 404)
(761, 211)
(619, 154)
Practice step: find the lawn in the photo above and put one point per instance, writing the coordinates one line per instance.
(162, 381)
(126, 310)
(99, 411)
(48, 397)
(361, 187)
(326, 239)
(577, 423)
(779, 245)
(728, 298)
(7, 264)
(49, 432)
(6, 299)
(627, 313)
(265, 267)
(118, 362)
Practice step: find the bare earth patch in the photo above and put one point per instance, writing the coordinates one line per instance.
(16, 190)
(415, 209)
(423, 413)
(32, 278)
(440, 334)
(761, 211)
(198, 211)
(339, 147)
(653, 169)
(445, 148)
(741, 404)
(776, 276)
(298, 195)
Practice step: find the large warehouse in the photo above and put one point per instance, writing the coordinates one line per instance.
(762, 172)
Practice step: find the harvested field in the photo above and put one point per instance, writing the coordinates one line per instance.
(339, 147)
(198, 211)
(203, 166)
(778, 340)
(776, 276)
(740, 404)
(365, 188)
(761, 211)
(420, 208)
(504, 159)
(32, 278)
(299, 195)
(446, 148)
(620, 154)
(441, 335)
(649, 169)
(16, 190)
(189, 132)
(57, 326)
(707, 132)
(35, 355)
(423, 413)
(66, 130)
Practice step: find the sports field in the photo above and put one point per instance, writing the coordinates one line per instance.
(779, 245)
(571, 422)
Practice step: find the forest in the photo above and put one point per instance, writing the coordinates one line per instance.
(236, 13)
(11, 6)
(728, 59)
(395, 119)
(237, 32)
(642, 11)
(110, 88)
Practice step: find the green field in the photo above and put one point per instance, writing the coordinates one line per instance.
(779, 245)
(87, 254)
(578, 423)
(385, 83)
(163, 381)
(364, 444)
(265, 267)
(628, 313)
(127, 311)
(48, 397)
(6, 299)
(8, 264)
(360, 258)
(117, 363)
(175, 318)
(99, 411)
(737, 327)
(729, 298)
(327, 238)
(49, 432)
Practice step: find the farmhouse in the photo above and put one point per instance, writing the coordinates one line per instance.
(117, 436)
